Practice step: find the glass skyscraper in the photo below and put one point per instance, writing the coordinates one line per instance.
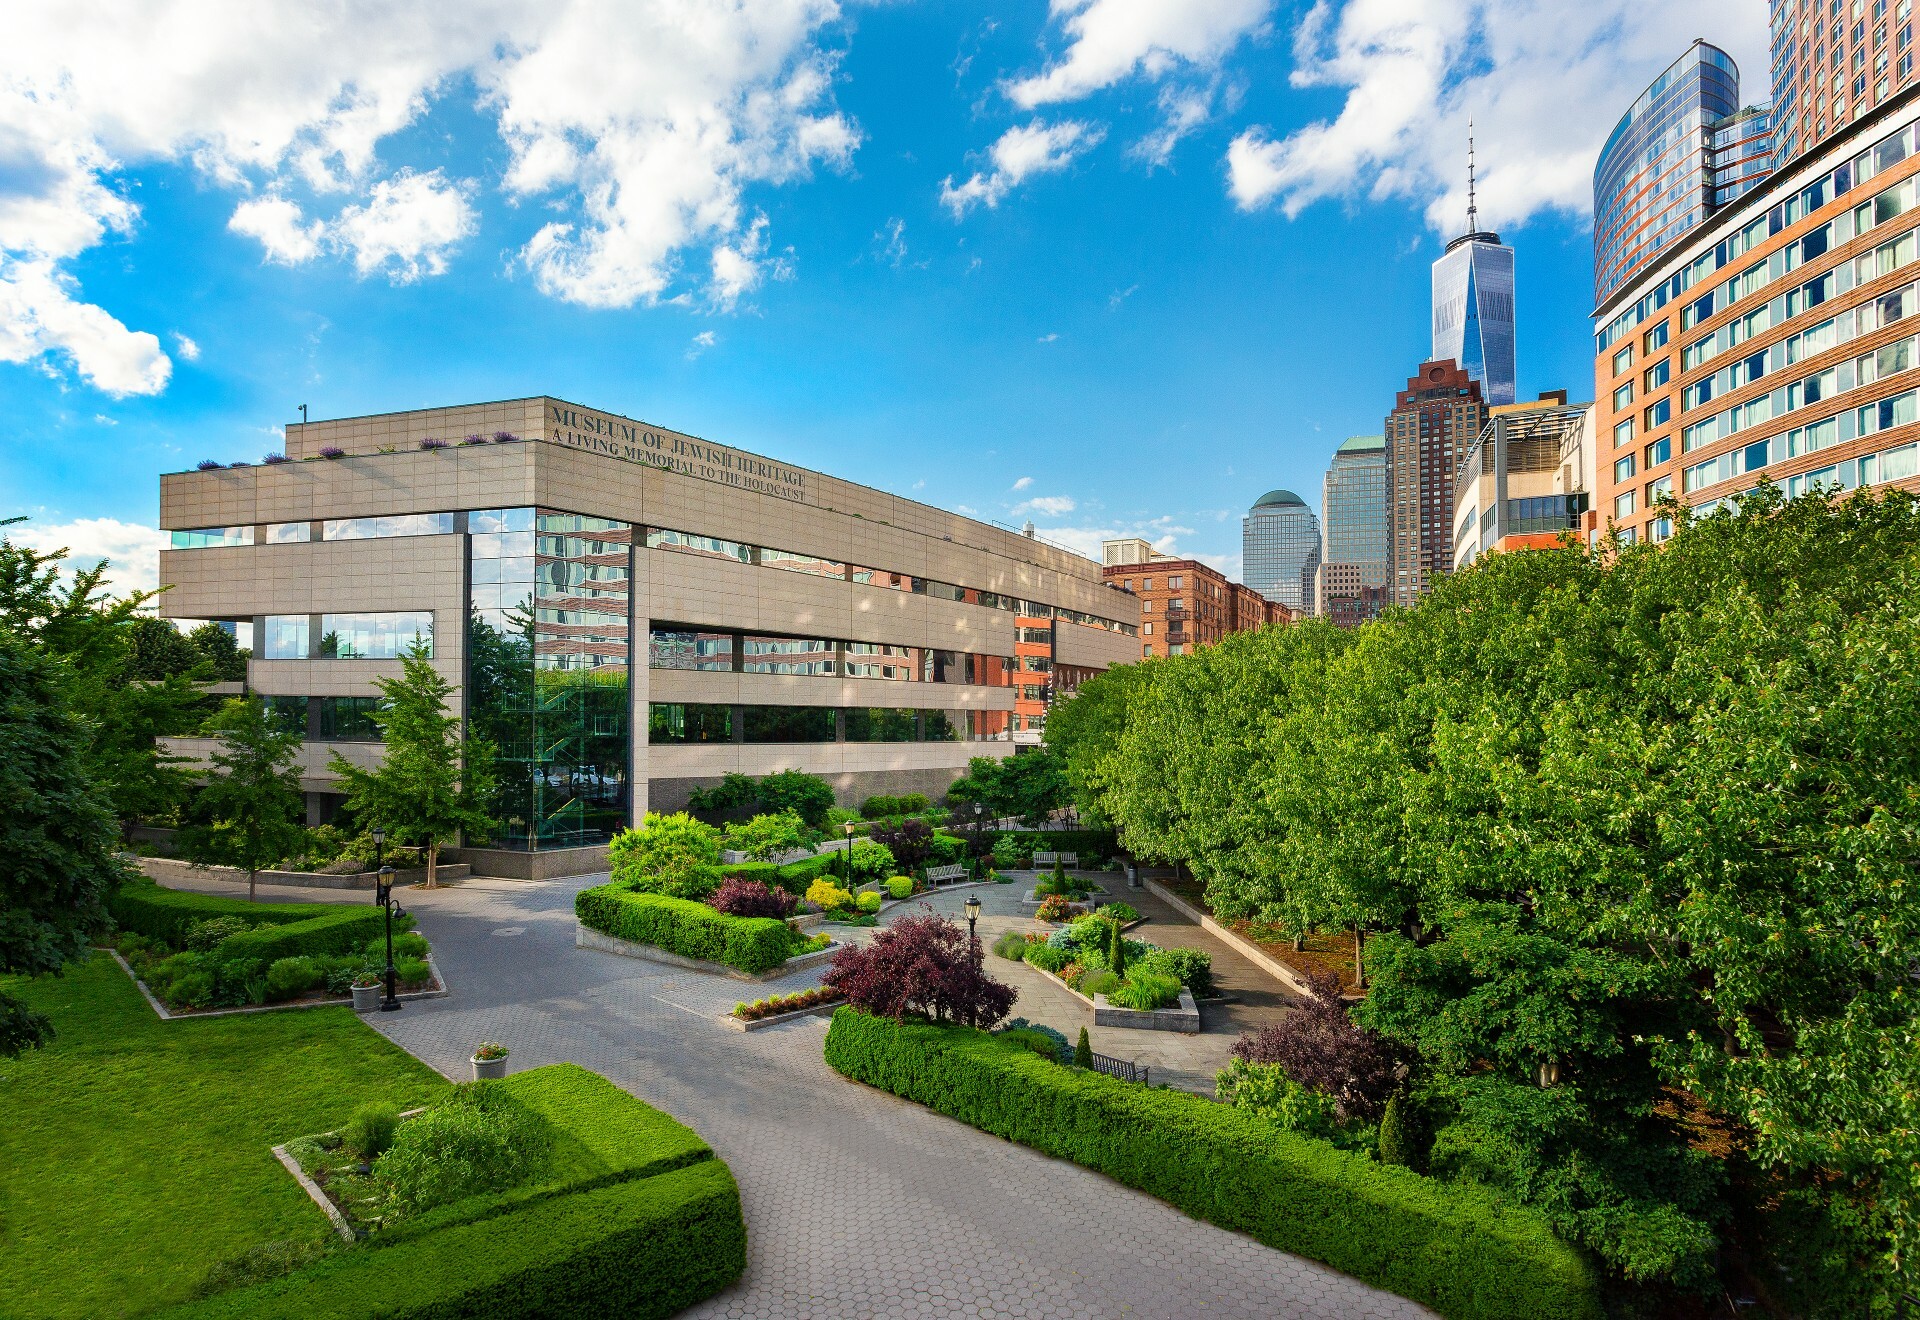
(1280, 549)
(1681, 151)
(1357, 540)
(1473, 310)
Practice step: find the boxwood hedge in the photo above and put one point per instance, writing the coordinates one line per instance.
(640, 1219)
(1457, 1248)
(285, 930)
(678, 925)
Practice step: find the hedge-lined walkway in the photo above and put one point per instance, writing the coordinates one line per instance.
(857, 1203)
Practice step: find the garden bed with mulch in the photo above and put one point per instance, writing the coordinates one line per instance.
(1326, 954)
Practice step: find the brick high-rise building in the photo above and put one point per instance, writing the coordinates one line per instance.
(1434, 419)
(1833, 66)
(1183, 602)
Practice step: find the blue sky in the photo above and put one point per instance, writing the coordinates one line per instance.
(1117, 265)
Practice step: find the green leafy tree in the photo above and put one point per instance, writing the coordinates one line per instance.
(249, 808)
(1085, 731)
(156, 650)
(1031, 784)
(225, 660)
(1083, 1051)
(807, 796)
(767, 836)
(56, 834)
(433, 782)
(673, 854)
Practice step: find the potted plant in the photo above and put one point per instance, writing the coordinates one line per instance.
(366, 992)
(489, 1062)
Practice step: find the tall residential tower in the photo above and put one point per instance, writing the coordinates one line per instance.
(1434, 419)
(1831, 66)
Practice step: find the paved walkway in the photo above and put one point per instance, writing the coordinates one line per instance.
(858, 1204)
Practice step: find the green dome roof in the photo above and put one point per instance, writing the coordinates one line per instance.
(1274, 497)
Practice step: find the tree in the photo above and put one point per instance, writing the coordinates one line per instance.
(1320, 1046)
(217, 649)
(249, 808)
(156, 651)
(1083, 1051)
(807, 796)
(56, 834)
(910, 842)
(1030, 784)
(1086, 728)
(924, 966)
(768, 835)
(433, 782)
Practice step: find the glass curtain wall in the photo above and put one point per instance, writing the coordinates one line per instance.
(549, 641)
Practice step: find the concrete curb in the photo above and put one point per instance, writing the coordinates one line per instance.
(168, 1016)
(312, 1189)
(586, 938)
(744, 1024)
(163, 868)
(1266, 962)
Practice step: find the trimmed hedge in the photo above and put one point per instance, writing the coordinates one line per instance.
(794, 877)
(679, 925)
(336, 930)
(164, 914)
(1457, 1248)
(640, 1249)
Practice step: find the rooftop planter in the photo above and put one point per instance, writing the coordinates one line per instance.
(208, 465)
(333, 451)
(431, 443)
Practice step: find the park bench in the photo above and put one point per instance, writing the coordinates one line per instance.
(1044, 860)
(1070, 860)
(944, 875)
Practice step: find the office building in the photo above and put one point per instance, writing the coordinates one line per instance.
(1777, 340)
(1833, 65)
(629, 613)
(1683, 151)
(1280, 549)
(1473, 310)
(1434, 419)
(1526, 480)
(1355, 547)
(1183, 602)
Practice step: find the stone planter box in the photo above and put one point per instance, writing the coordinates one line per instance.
(1185, 1018)
(489, 1070)
(586, 938)
(774, 1019)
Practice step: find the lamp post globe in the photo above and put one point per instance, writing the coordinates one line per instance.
(383, 895)
(848, 827)
(973, 913)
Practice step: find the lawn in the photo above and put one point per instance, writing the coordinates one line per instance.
(134, 1152)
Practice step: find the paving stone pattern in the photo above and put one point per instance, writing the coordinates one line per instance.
(858, 1204)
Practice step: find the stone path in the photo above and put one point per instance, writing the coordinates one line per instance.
(858, 1204)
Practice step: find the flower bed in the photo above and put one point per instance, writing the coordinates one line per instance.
(1455, 1247)
(1084, 952)
(633, 1215)
(196, 953)
(798, 1001)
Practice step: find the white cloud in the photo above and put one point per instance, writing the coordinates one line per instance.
(1053, 506)
(1112, 40)
(133, 551)
(701, 342)
(1119, 296)
(1544, 81)
(1021, 152)
(637, 125)
(186, 347)
(407, 226)
(892, 242)
(1023, 483)
(1048, 338)
(282, 230)
(1162, 533)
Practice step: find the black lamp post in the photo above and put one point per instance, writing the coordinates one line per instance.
(972, 906)
(383, 895)
(849, 829)
(979, 810)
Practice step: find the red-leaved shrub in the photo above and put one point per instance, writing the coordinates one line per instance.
(750, 898)
(1319, 1046)
(922, 966)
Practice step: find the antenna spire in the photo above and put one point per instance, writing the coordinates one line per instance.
(1473, 225)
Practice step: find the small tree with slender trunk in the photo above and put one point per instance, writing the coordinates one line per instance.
(432, 780)
(249, 809)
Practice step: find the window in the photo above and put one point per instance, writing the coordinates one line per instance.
(288, 533)
(712, 547)
(1146, 584)
(1173, 584)
(786, 655)
(1623, 469)
(1623, 396)
(374, 636)
(798, 563)
(204, 538)
(689, 648)
(1146, 629)
(672, 722)
(1176, 604)
(881, 725)
(1623, 433)
(938, 726)
(1659, 414)
(788, 724)
(500, 520)
(1036, 664)
(1655, 489)
(1146, 653)
(1176, 649)
(396, 524)
(1623, 505)
(879, 660)
(1656, 338)
(347, 719)
(285, 637)
(290, 711)
(1659, 373)
(1623, 359)
(1146, 607)
(1658, 452)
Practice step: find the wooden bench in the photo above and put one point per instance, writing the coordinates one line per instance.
(1043, 861)
(1070, 860)
(944, 875)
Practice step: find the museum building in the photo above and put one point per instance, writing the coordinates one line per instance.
(628, 613)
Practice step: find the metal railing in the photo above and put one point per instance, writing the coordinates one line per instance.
(1121, 1069)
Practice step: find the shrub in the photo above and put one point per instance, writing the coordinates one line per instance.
(1118, 913)
(193, 990)
(205, 936)
(807, 796)
(674, 855)
(795, 877)
(370, 1131)
(1061, 1048)
(1145, 990)
(827, 896)
(1014, 852)
(910, 842)
(1047, 958)
(923, 965)
(870, 861)
(337, 929)
(789, 1003)
(1012, 945)
(412, 972)
(1264, 1089)
(868, 902)
(945, 849)
(750, 898)
(1192, 968)
(1056, 907)
(339, 972)
(900, 886)
(409, 944)
(1102, 983)
(692, 930)
(1082, 1050)
(766, 836)
(1117, 952)
(292, 976)
(479, 1139)
(1400, 1135)
(1460, 1249)
(1319, 1046)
